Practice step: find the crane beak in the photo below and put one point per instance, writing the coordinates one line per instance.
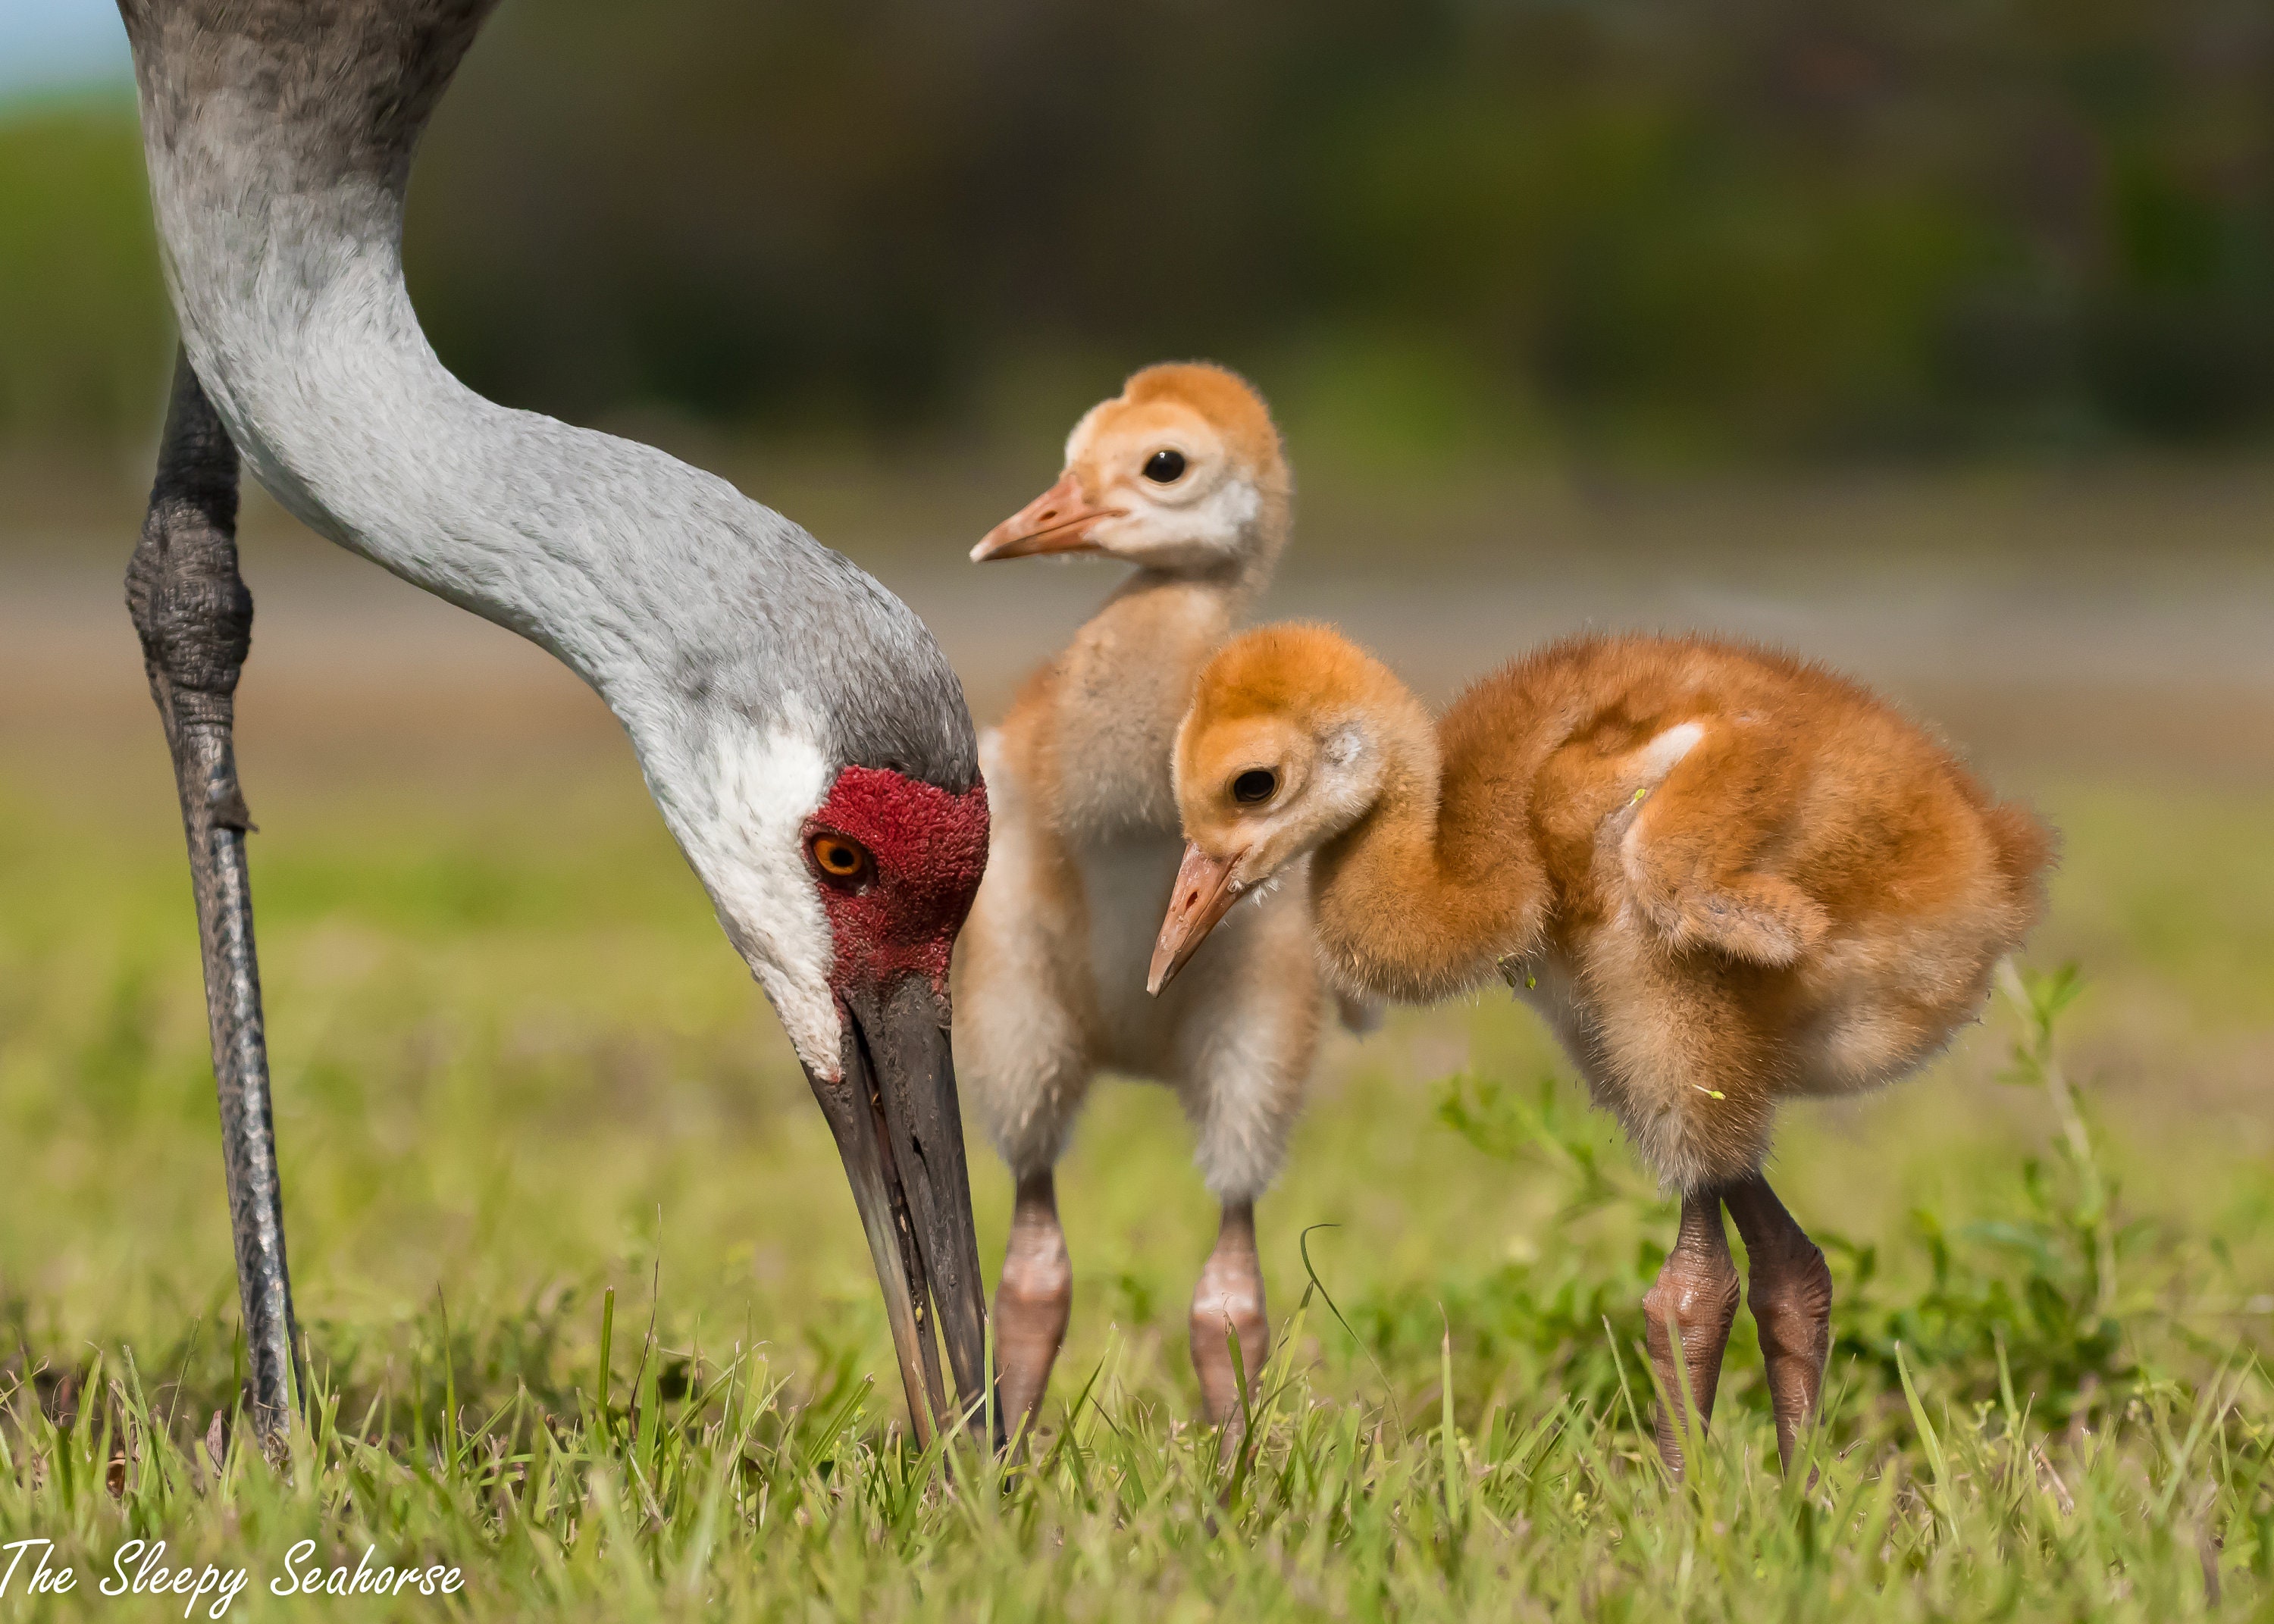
(900, 1133)
(1204, 894)
(1057, 521)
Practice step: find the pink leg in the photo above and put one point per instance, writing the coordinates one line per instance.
(1790, 1293)
(1696, 1294)
(1230, 1294)
(1032, 1302)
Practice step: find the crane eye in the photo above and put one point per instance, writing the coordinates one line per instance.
(1165, 467)
(846, 862)
(1256, 784)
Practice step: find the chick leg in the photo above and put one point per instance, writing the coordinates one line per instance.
(1032, 1302)
(1245, 1035)
(1696, 1294)
(1228, 1303)
(1789, 1290)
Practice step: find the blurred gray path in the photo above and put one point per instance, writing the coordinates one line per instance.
(2125, 636)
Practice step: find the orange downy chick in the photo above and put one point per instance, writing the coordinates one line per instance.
(1725, 877)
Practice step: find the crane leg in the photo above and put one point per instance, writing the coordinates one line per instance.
(1228, 1303)
(195, 619)
(1789, 1288)
(1032, 1302)
(1695, 1293)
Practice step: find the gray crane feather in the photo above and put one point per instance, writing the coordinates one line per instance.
(279, 135)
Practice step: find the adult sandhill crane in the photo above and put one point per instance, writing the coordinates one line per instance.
(1726, 878)
(800, 730)
(1181, 475)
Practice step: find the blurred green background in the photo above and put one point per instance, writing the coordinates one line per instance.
(1621, 229)
(1936, 342)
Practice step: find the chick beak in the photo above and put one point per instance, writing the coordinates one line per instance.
(1204, 894)
(1057, 521)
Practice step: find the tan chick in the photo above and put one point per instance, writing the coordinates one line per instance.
(1725, 879)
(1181, 475)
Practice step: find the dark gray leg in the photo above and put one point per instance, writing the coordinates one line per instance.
(195, 618)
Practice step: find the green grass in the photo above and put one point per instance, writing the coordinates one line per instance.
(517, 1071)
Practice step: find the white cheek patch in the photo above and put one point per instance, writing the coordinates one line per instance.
(1172, 533)
(1233, 506)
(1218, 519)
(747, 846)
(1353, 775)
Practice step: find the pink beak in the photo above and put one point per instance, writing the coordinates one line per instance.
(1057, 521)
(1204, 894)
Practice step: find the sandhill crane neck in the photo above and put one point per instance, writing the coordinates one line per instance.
(800, 730)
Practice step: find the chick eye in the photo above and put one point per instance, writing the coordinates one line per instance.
(846, 862)
(1256, 784)
(1165, 467)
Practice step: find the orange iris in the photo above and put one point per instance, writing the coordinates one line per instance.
(839, 858)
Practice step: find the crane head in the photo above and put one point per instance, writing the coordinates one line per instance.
(844, 886)
(895, 862)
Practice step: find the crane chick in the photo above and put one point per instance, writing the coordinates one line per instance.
(1726, 878)
(1181, 475)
